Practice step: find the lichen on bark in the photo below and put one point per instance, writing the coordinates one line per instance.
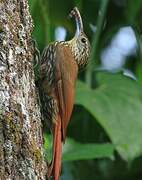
(21, 153)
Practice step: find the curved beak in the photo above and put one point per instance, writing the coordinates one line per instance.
(79, 24)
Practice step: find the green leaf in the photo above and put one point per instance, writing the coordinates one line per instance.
(73, 151)
(117, 106)
(133, 10)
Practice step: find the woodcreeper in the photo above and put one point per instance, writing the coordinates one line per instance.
(59, 66)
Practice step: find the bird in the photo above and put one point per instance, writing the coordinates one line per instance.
(60, 63)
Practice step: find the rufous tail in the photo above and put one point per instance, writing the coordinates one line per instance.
(55, 166)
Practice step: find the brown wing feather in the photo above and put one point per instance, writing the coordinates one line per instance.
(66, 74)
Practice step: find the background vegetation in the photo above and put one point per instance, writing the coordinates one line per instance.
(104, 140)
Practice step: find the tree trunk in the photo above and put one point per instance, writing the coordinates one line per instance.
(21, 153)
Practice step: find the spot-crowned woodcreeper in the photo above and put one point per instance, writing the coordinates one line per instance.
(59, 66)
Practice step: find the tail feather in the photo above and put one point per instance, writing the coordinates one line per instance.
(55, 166)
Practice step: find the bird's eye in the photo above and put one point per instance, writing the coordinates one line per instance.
(83, 40)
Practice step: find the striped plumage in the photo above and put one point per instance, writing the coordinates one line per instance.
(59, 66)
(80, 48)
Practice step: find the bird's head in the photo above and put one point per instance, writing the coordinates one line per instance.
(79, 44)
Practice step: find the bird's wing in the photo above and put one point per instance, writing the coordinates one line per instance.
(65, 76)
(58, 74)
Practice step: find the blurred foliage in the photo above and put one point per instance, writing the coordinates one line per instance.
(108, 110)
(117, 109)
(73, 151)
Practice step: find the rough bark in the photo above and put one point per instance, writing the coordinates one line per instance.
(21, 153)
